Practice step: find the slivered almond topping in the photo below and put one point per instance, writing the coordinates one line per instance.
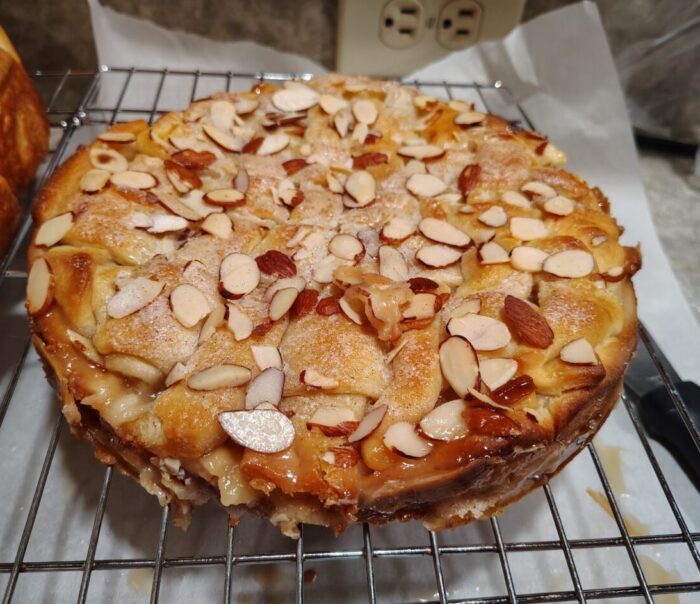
(134, 180)
(116, 136)
(425, 185)
(472, 306)
(349, 311)
(422, 284)
(224, 140)
(108, 159)
(40, 287)
(527, 324)
(266, 356)
(421, 306)
(527, 229)
(238, 275)
(215, 318)
(221, 114)
(133, 367)
(183, 179)
(328, 306)
(178, 208)
(372, 158)
(333, 417)
(361, 187)
(460, 106)
(402, 438)
(483, 333)
(85, 347)
(274, 143)
(219, 225)
(225, 197)
(239, 323)
(569, 263)
(94, 180)
(245, 106)
(470, 118)
(194, 160)
(274, 262)
(496, 372)
(331, 104)
(397, 229)
(493, 253)
(360, 132)
(516, 199)
(304, 304)
(438, 256)
(266, 387)
(459, 364)
(368, 424)
(468, 178)
(514, 390)
(466, 209)
(421, 151)
(445, 422)
(423, 101)
(297, 98)
(392, 264)
(53, 230)
(538, 188)
(292, 166)
(176, 374)
(241, 181)
(289, 194)
(526, 258)
(313, 378)
(163, 223)
(347, 247)
(559, 205)
(364, 111)
(189, 305)
(133, 296)
(261, 430)
(281, 302)
(443, 232)
(495, 217)
(599, 240)
(341, 122)
(219, 376)
(323, 271)
(579, 352)
(297, 283)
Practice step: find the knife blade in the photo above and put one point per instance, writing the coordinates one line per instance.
(657, 411)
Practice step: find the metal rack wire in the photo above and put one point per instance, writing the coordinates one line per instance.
(83, 107)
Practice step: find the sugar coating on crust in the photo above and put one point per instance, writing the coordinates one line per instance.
(384, 251)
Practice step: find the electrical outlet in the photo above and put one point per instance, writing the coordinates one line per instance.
(395, 37)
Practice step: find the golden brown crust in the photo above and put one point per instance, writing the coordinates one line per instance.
(511, 432)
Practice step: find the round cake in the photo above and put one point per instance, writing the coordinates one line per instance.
(334, 301)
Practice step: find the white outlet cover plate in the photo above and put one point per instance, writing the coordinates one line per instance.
(360, 50)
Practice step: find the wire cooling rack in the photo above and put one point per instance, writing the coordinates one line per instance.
(77, 100)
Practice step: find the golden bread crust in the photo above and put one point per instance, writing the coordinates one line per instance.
(320, 179)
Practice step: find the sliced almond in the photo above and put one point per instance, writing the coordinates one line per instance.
(239, 275)
(261, 430)
(213, 321)
(85, 347)
(341, 122)
(445, 422)
(40, 287)
(347, 247)
(468, 306)
(224, 140)
(133, 367)
(402, 438)
(274, 143)
(117, 136)
(397, 229)
(460, 106)
(438, 256)
(360, 132)
(172, 203)
(219, 376)
(569, 263)
(182, 179)
(94, 180)
(443, 232)
(421, 151)
(331, 104)
(189, 305)
(297, 98)
(108, 159)
(538, 188)
(527, 229)
(134, 295)
(298, 283)
(164, 223)
(176, 374)
(266, 387)
(368, 424)
(331, 417)
(221, 114)
(392, 264)
(267, 356)
(361, 187)
(495, 217)
(513, 198)
(425, 185)
(483, 333)
(579, 352)
(225, 197)
(469, 118)
(323, 271)
(245, 106)
(421, 306)
(134, 180)
(313, 378)
(53, 230)
(281, 302)
(559, 205)
(242, 181)
(239, 323)
(599, 240)
(526, 258)
(493, 253)
(350, 312)
(219, 225)
(364, 111)
(459, 364)
(496, 372)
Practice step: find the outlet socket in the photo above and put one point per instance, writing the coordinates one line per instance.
(401, 24)
(458, 24)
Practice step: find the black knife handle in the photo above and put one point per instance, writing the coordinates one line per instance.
(661, 419)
